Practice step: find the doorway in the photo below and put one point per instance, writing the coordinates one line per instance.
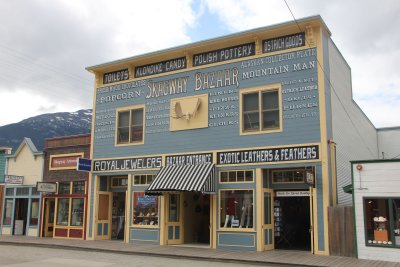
(21, 216)
(118, 216)
(292, 223)
(197, 218)
(48, 225)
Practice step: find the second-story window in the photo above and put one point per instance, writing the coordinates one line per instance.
(130, 126)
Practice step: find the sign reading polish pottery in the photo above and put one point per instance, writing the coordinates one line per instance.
(224, 54)
(284, 154)
(284, 42)
(116, 76)
(161, 67)
(127, 164)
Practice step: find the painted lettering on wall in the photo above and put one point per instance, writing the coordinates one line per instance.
(284, 42)
(224, 54)
(268, 155)
(216, 79)
(127, 164)
(193, 159)
(161, 67)
(116, 76)
(166, 87)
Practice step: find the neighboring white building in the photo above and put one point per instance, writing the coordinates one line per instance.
(389, 142)
(376, 200)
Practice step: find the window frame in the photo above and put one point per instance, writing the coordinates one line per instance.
(237, 229)
(130, 109)
(260, 90)
(119, 178)
(236, 171)
(147, 179)
(390, 222)
(288, 170)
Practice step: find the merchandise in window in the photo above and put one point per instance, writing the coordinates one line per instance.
(130, 126)
(7, 211)
(145, 209)
(396, 217)
(237, 209)
(62, 211)
(34, 212)
(268, 118)
(77, 211)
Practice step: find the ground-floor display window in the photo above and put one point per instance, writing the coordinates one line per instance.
(77, 211)
(8, 206)
(145, 209)
(63, 212)
(33, 220)
(382, 221)
(237, 208)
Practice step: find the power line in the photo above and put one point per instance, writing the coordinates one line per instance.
(331, 86)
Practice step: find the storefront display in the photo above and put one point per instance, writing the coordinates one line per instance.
(237, 208)
(145, 209)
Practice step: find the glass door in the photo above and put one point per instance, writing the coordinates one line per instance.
(174, 222)
(103, 216)
(268, 219)
(49, 217)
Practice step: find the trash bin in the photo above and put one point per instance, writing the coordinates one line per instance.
(19, 227)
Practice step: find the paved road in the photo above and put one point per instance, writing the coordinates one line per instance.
(21, 256)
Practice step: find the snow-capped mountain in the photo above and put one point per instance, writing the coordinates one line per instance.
(46, 126)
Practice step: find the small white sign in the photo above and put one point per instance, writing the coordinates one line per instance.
(46, 187)
(293, 193)
(13, 179)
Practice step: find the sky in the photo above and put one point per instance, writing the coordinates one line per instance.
(46, 45)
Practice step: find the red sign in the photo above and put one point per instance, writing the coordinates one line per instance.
(63, 162)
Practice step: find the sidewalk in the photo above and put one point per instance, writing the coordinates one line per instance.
(275, 257)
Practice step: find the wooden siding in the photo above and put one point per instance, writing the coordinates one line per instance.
(341, 231)
(377, 180)
(75, 140)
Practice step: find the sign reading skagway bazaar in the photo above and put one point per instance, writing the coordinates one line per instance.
(127, 164)
(161, 67)
(268, 155)
(116, 76)
(192, 159)
(284, 42)
(224, 54)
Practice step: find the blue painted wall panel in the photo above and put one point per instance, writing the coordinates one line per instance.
(295, 130)
(145, 235)
(236, 241)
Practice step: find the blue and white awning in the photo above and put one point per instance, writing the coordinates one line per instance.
(175, 178)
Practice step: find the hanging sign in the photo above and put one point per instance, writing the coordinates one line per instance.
(116, 76)
(160, 67)
(84, 165)
(46, 187)
(283, 154)
(284, 42)
(13, 179)
(224, 54)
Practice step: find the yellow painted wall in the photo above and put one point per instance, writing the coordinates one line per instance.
(27, 165)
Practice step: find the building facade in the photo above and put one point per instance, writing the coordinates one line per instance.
(21, 202)
(64, 212)
(376, 199)
(3, 167)
(235, 143)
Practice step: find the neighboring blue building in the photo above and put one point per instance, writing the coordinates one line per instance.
(238, 142)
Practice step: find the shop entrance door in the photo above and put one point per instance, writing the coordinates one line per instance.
(103, 216)
(174, 222)
(49, 217)
(268, 226)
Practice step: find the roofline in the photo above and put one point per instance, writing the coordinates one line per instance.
(67, 137)
(388, 128)
(374, 161)
(27, 141)
(207, 41)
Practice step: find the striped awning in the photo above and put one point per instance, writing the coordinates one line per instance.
(195, 178)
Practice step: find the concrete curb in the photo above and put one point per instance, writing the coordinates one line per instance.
(153, 254)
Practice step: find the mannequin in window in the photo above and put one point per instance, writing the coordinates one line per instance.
(230, 210)
(246, 209)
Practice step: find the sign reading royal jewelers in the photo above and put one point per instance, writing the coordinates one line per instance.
(268, 155)
(284, 42)
(161, 67)
(224, 54)
(127, 164)
(13, 179)
(193, 159)
(116, 76)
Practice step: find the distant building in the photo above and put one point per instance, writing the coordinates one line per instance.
(64, 211)
(21, 200)
(239, 142)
